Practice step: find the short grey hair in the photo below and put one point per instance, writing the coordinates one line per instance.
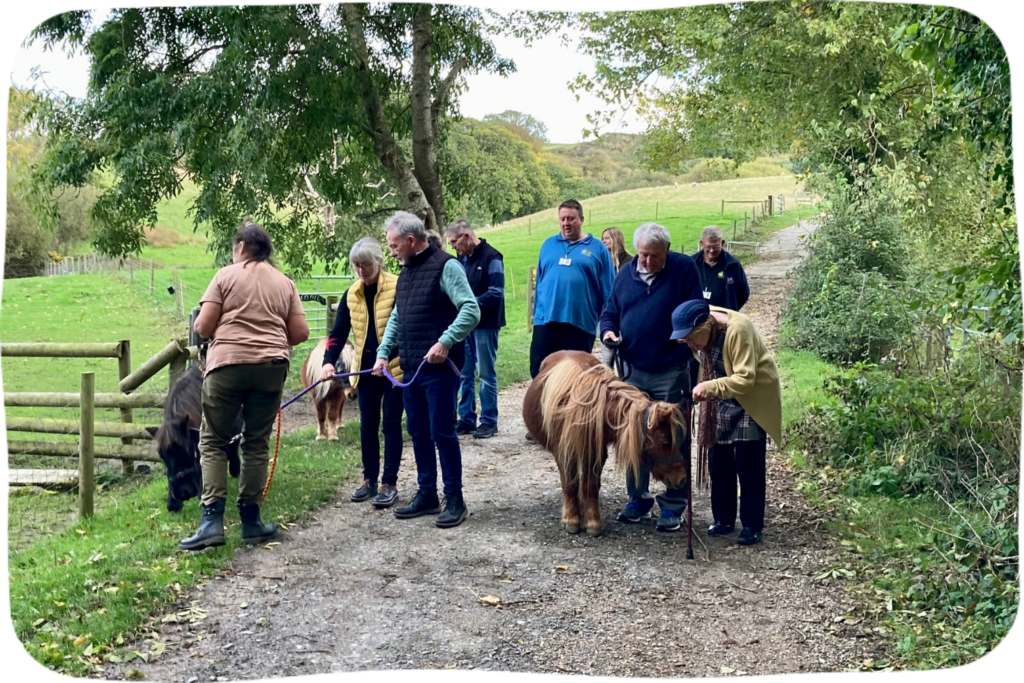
(652, 234)
(365, 252)
(458, 228)
(407, 224)
(712, 233)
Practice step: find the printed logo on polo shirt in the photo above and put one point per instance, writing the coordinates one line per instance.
(721, 274)
(586, 253)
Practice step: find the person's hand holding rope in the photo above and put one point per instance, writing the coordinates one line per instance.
(438, 353)
(379, 366)
(700, 393)
(327, 372)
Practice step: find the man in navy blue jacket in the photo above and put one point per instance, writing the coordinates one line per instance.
(639, 316)
(485, 271)
(722, 280)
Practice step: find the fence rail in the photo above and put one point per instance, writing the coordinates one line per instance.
(86, 427)
(96, 263)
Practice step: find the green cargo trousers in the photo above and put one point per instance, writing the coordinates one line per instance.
(256, 390)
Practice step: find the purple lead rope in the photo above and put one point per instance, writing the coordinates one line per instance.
(387, 373)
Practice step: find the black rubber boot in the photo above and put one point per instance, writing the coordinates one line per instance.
(253, 529)
(211, 529)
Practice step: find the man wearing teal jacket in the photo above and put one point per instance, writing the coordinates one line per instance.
(435, 311)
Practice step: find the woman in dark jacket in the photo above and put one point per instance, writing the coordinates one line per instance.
(616, 243)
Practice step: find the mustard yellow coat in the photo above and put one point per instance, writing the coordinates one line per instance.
(752, 378)
(387, 285)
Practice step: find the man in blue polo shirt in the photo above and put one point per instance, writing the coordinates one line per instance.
(639, 316)
(574, 278)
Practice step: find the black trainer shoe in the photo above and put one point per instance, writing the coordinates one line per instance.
(387, 497)
(485, 431)
(748, 537)
(211, 529)
(364, 492)
(423, 503)
(253, 528)
(719, 529)
(463, 428)
(454, 512)
(636, 511)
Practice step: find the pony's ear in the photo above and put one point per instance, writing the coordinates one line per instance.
(663, 412)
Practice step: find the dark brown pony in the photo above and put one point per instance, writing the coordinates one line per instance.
(576, 408)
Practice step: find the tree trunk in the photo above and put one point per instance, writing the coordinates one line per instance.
(384, 146)
(424, 150)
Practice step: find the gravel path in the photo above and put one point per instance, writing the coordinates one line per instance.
(357, 589)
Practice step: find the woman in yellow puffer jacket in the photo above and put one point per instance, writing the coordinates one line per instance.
(364, 310)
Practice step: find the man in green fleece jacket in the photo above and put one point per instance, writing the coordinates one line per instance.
(435, 311)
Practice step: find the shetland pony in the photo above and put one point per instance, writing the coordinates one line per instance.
(329, 397)
(177, 440)
(576, 408)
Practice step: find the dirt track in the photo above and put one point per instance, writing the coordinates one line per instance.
(360, 590)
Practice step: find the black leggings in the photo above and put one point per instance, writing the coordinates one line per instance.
(374, 394)
(746, 459)
(552, 337)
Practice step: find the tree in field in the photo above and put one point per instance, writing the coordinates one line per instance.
(311, 119)
(532, 126)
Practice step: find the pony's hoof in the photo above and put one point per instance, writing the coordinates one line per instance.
(320, 437)
(332, 439)
(572, 528)
(594, 531)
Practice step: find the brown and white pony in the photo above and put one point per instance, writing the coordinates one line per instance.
(329, 397)
(576, 408)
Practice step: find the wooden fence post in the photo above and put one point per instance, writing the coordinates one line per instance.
(86, 462)
(124, 368)
(529, 228)
(733, 229)
(723, 207)
(531, 293)
(656, 207)
(332, 315)
(193, 337)
(178, 365)
(152, 275)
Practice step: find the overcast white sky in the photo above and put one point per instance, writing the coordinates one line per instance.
(539, 86)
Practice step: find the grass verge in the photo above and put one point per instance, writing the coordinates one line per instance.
(83, 597)
(937, 601)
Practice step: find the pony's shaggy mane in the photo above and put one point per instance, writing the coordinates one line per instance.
(577, 406)
(315, 362)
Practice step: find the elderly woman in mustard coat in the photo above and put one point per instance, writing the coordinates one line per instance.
(740, 385)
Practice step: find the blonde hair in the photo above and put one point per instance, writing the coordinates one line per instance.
(618, 250)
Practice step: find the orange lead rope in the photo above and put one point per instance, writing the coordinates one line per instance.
(273, 463)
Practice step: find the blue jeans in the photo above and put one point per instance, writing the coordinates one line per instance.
(482, 349)
(429, 405)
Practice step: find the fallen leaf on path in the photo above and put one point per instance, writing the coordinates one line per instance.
(562, 568)
(727, 670)
(134, 675)
(270, 546)
(244, 605)
(490, 600)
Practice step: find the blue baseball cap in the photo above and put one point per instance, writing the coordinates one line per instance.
(687, 316)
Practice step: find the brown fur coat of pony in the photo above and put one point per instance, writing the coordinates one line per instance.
(576, 408)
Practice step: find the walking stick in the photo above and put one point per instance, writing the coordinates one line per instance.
(689, 485)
